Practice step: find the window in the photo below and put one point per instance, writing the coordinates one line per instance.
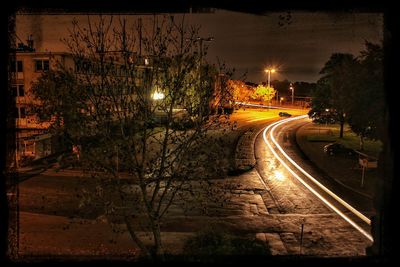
(22, 113)
(14, 90)
(19, 66)
(16, 66)
(18, 90)
(21, 91)
(41, 65)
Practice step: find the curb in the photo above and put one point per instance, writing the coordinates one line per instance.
(244, 154)
(22, 176)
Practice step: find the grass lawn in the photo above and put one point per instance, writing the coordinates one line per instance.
(330, 133)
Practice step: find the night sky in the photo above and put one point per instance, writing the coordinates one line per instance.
(296, 43)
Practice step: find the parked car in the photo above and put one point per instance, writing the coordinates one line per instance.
(284, 114)
(338, 148)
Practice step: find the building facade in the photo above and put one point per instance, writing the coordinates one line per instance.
(33, 141)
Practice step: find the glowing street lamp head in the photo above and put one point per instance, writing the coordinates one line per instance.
(270, 70)
(158, 96)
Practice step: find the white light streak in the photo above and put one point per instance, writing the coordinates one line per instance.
(357, 213)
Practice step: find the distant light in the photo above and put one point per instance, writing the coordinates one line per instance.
(279, 175)
(327, 109)
(158, 96)
(146, 61)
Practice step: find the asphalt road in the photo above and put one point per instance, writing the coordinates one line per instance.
(297, 193)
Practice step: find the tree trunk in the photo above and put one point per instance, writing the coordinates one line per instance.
(158, 249)
(135, 239)
(341, 128)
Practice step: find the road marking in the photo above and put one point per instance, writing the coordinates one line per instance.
(357, 213)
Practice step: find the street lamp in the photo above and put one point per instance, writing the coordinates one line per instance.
(200, 40)
(158, 95)
(269, 71)
(292, 88)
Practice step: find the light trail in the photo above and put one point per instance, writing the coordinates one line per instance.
(348, 206)
(341, 214)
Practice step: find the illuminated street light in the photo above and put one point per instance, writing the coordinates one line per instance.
(158, 95)
(269, 71)
(292, 88)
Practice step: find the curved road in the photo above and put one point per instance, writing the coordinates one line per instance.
(298, 188)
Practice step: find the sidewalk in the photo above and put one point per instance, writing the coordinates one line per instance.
(44, 235)
(344, 170)
(247, 210)
(244, 153)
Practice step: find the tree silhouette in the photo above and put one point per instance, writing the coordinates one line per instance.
(135, 107)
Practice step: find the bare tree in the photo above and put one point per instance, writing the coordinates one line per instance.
(137, 110)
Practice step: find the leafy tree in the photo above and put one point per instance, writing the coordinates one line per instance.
(352, 90)
(338, 79)
(223, 97)
(304, 88)
(241, 91)
(263, 93)
(135, 104)
(365, 111)
(321, 101)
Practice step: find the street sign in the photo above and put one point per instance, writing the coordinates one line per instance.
(369, 164)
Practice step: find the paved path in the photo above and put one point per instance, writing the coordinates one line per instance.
(248, 207)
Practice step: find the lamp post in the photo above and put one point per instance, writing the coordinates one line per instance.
(269, 71)
(292, 88)
(200, 40)
(269, 80)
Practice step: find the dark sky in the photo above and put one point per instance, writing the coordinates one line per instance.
(296, 43)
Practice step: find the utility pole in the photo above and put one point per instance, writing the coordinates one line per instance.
(200, 40)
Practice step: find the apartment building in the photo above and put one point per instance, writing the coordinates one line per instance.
(33, 141)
